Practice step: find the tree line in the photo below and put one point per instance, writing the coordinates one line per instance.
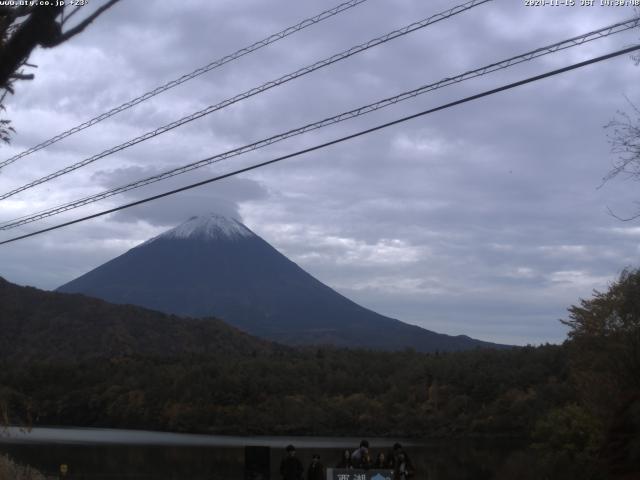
(576, 404)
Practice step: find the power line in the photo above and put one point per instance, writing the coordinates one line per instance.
(575, 41)
(334, 142)
(189, 76)
(254, 91)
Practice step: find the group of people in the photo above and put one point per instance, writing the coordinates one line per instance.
(291, 467)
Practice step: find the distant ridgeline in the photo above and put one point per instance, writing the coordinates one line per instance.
(214, 266)
(81, 361)
(67, 359)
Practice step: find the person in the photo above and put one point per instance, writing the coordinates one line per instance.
(381, 461)
(316, 469)
(360, 458)
(291, 467)
(345, 461)
(393, 455)
(403, 469)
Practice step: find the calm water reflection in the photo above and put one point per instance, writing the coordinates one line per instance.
(101, 454)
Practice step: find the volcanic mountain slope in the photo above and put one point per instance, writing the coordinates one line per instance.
(48, 326)
(216, 266)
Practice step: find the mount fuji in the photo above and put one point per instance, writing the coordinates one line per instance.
(215, 266)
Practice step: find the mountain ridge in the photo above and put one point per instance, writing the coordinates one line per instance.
(216, 266)
(38, 325)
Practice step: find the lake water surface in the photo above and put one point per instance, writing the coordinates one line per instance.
(127, 454)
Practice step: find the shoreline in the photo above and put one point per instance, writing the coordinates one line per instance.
(117, 436)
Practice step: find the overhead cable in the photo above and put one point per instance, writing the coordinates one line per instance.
(185, 78)
(579, 40)
(332, 142)
(254, 91)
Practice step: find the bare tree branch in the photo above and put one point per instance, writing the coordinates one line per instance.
(625, 142)
(22, 76)
(623, 219)
(73, 12)
(16, 12)
(22, 29)
(40, 27)
(82, 25)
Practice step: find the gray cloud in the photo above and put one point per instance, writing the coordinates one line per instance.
(221, 197)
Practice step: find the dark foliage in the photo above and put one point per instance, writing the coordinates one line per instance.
(71, 360)
(43, 326)
(79, 361)
(604, 352)
(25, 26)
(338, 392)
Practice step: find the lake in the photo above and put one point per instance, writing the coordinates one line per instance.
(127, 454)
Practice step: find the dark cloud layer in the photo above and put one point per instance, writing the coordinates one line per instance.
(484, 219)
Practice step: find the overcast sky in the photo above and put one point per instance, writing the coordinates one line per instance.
(484, 219)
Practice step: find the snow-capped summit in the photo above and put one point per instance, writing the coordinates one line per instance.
(213, 265)
(211, 226)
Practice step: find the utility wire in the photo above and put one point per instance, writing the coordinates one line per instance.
(254, 91)
(335, 141)
(197, 72)
(579, 40)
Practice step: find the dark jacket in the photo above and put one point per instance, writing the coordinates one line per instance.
(392, 458)
(316, 472)
(360, 459)
(403, 470)
(345, 463)
(291, 468)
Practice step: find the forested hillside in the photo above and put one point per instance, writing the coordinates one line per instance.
(74, 360)
(83, 362)
(323, 391)
(44, 326)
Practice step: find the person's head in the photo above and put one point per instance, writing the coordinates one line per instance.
(380, 457)
(397, 447)
(315, 458)
(364, 446)
(291, 450)
(347, 454)
(401, 456)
